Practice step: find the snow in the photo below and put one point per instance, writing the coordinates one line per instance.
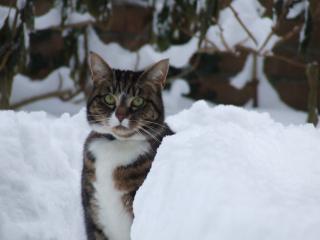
(297, 9)
(21, 4)
(76, 17)
(173, 99)
(119, 57)
(229, 173)
(250, 12)
(303, 33)
(4, 13)
(23, 88)
(40, 176)
(267, 96)
(51, 18)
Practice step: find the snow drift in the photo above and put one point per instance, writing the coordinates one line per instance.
(231, 174)
(228, 173)
(40, 164)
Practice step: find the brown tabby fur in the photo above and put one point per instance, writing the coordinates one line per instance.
(130, 177)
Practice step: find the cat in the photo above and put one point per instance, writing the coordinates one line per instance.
(126, 114)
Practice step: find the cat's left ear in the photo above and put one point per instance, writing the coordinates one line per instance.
(100, 70)
(157, 73)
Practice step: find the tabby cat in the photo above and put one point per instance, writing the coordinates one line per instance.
(126, 114)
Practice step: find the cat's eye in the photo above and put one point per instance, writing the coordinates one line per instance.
(109, 99)
(137, 102)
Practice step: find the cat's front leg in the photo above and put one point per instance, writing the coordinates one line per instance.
(130, 178)
(127, 201)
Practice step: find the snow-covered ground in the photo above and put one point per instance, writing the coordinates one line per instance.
(231, 174)
(40, 164)
(228, 173)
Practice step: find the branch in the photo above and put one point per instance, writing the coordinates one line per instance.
(278, 57)
(265, 42)
(242, 24)
(289, 35)
(136, 65)
(223, 40)
(186, 71)
(60, 94)
(206, 40)
(312, 72)
(5, 58)
(73, 25)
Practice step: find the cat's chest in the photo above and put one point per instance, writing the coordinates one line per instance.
(108, 155)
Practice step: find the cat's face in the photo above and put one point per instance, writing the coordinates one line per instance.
(126, 104)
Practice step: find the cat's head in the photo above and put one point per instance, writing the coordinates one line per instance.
(126, 104)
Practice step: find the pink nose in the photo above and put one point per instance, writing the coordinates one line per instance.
(120, 116)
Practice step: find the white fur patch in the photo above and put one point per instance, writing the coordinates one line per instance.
(125, 122)
(114, 219)
(114, 121)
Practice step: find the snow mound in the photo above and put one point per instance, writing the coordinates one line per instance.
(229, 173)
(40, 165)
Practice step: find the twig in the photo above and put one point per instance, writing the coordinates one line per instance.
(223, 40)
(6, 57)
(312, 72)
(69, 95)
(137, 61)
(265, 42)
(11, 47)
(268, 55)
(60, 81)
(214, 48)
(186, 71)
(255, 81)
(206, 40)
(289, 35)
(285, 59)
(73, 25)
(235, 13)
(44, 96)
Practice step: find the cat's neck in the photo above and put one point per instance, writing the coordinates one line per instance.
(111, 137)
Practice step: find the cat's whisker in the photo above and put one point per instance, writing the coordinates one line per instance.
(150, 134)
(138, 131)
(155, 123)
(155, 131)
(149, 122)
(121, 93)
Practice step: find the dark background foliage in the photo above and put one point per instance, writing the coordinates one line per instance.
(135, 23)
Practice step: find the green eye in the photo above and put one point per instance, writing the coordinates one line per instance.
(137, 102)
(109, 99)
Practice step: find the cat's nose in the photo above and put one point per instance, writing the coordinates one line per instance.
(120, 116)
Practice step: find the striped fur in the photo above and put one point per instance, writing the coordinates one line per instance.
(145, 127)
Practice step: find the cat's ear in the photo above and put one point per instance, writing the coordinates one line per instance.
(156, 74)
(100, 70)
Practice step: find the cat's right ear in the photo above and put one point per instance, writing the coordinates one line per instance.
(100, 70)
